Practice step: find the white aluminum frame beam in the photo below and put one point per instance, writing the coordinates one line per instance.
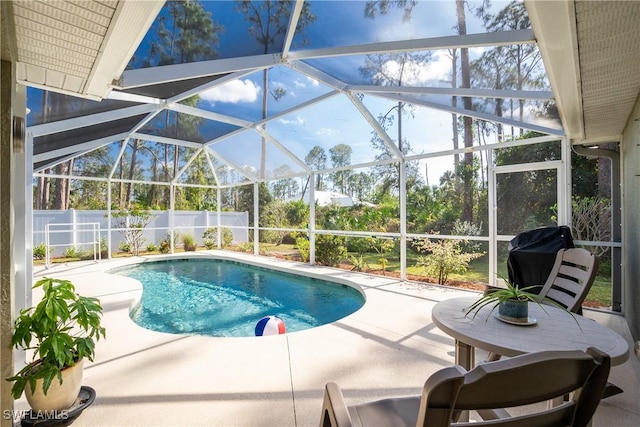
(217, 82)
(175, 72)
(205, 114)
(447, 91)
(239, 170)
(79, 149)
(291, 30)
(207, 155)
(297, 107)
(165, 140)
(318, 75)
(477, 115)
(132, 97)
(498, 38)
(89, 120)
(186, 165)
(384, 136)
(267, 136)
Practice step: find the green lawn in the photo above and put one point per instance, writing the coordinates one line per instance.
(477, 272)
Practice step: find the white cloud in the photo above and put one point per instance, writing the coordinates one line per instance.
(438, 68)
(234, 92)
(296, 121)
(325, 132)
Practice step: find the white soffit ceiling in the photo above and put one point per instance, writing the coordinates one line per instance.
(78, 47)
(609, 44)
(591, 51)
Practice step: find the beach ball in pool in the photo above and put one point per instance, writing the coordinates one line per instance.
(270, 325)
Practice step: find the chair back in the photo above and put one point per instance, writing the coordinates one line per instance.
(522, 380)
(571, 278)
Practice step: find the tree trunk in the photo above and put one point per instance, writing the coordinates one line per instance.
(454, 104)
(67, 197)
(42, 193)
(166, 189)
(60, 188)
(467, 207)
(132, 169)
(121, 204)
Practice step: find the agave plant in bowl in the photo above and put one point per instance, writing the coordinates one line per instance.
(512, 303)
(61, 332)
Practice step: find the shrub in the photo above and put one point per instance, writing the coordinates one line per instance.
(72, 252)
(124, 247)
(40, 251)
(210, 237)
(227, 237)
(165, 246)
(466, 228)
(188, 243)
(359, 264)
(383, 263)
(444, 257)
(104, 250)
(274, 215)
(151, 247)
(330, 250)
(304, 246)
(246, 247)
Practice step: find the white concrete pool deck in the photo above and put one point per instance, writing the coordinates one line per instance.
(387, 348)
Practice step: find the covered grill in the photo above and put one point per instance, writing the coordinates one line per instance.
(532, 254)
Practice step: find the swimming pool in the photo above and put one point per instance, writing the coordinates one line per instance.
(226, 298)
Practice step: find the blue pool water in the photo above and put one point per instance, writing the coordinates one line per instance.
(225, 298)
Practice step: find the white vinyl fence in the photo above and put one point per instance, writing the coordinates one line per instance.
(76, 230)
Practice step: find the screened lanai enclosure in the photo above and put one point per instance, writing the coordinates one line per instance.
(425, 133)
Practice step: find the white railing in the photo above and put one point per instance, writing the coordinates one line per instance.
(75, 229)
(159, 227)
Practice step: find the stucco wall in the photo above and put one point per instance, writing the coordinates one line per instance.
(6, 241)
(631, 213)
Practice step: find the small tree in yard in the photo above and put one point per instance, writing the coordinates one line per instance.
(443, 258)
(131, 224)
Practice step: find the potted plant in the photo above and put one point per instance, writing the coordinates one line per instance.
(512, 303)
(61, 331)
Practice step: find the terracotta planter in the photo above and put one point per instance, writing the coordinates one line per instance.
(514, 310)
(59, 396)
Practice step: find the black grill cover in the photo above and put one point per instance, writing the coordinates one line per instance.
(532, 254)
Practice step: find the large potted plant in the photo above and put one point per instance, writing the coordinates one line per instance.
(60, 331)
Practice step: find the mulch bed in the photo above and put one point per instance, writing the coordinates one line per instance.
(413, 277)
(476, 286)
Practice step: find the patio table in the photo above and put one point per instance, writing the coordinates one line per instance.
(554, 329)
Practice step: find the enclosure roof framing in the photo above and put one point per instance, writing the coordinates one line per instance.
(589, 51)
